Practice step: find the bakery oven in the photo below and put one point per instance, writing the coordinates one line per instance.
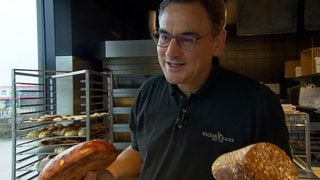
(130, 63)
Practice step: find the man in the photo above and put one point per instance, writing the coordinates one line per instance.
(183, 120)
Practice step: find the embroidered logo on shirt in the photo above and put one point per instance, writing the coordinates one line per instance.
(217, 137)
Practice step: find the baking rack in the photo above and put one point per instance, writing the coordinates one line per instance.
(40, 93)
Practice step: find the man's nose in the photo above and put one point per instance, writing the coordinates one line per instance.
(173, 49)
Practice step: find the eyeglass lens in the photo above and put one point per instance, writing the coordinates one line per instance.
(184, 41)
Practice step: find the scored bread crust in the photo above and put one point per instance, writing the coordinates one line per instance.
(256, 161)
(76, 161)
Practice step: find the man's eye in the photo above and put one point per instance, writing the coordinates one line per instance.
(164, 36)
(186, 39)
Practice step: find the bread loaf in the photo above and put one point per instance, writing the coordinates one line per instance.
(33, 134)
(256, 161)
(59, 149)
(76, 161)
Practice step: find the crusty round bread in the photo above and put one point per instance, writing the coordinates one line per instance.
(76, 161)
(45, 134)
(258, 161)
(72, 132)
(82, 132)
(33, 134)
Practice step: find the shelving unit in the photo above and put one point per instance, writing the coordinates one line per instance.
(312, 78)
(39, 132)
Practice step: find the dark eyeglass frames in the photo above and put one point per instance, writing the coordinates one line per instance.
(185, 42)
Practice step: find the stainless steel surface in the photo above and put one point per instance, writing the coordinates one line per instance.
(130, 64)
(298, 124)
(127, 48)
(68, 88)
(308, 144)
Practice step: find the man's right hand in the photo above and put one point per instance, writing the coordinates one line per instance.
(125, 167)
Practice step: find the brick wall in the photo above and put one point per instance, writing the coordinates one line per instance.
(262, 57)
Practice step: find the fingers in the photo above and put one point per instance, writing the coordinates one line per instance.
(91, 175)
(105, 175)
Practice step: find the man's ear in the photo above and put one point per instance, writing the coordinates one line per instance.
(219, 43)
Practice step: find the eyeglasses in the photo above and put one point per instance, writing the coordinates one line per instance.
(185, 42)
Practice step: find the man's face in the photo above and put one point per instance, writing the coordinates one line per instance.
(180, 66)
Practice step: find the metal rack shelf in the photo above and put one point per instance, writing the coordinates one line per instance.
(298, 124)
(40, 93)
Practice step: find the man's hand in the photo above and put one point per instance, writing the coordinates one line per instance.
(125, 167)
(92, 175)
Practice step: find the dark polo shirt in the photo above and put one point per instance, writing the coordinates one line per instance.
(179, 138)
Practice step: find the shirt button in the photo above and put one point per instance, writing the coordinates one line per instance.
(184, 110)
